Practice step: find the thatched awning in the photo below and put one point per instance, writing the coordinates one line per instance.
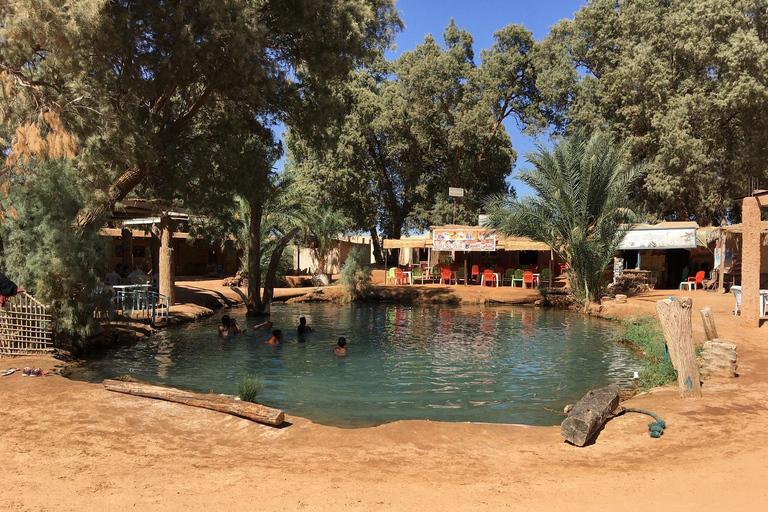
(734, 231)
(407, 243)
(520, 244)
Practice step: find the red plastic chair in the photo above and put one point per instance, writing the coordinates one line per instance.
(475, 272)
(446, 274)
(399, 276)
(489, 278)
(697, 280)
(527, 279)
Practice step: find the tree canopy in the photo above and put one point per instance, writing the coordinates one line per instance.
(684, 83)
(430, 120)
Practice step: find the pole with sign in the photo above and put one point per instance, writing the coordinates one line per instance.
(455, 192)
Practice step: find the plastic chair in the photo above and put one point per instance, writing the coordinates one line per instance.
(527, 279)
(546, 275)
(475, 273)
(509, 275)
(399, 276)
(698, 279)
(390, 275)
(518, 277)
(446, 274)
(489, 277)
(460, 275)
(436, 276)
(418, 273)
(736, 291)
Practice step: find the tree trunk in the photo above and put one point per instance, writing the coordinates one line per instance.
(378, 254)
(154, 249)
(675, 318)
(248, 410)
(117, 192)
(274, 261)
(589, 414)
(167, 274)
(127, 244)
(254, 258)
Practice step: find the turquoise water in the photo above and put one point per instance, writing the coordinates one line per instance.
(497, 365)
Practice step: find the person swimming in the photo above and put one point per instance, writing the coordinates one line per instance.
(340, 348)
(264, 325)
(277, 338)
(303, 328)
(228, 327)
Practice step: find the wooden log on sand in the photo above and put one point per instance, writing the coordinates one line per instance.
(718, 359)
(710, 331)
(589, 414)
(675, 318)
(247, 410)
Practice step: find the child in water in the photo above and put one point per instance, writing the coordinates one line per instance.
(340, 349)
(277, 338)
(228, 327)
(303, 327)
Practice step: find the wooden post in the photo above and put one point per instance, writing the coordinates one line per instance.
(167, 276)
(589, 414)
(721, 270)
(675, 318)
(466, 276)
(710, 332)
(127, 243)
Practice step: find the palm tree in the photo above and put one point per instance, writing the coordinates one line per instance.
(326, 224)
(582, 208)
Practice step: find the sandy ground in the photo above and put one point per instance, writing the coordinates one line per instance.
(73, 446)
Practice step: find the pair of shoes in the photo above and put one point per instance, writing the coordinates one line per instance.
(26, 371)
(33, 372)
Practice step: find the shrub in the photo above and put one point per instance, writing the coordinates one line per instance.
(249, 388)
(356, 274)
(646, 335)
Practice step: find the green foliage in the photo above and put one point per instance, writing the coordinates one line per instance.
(414, 127)
(645, 334)
(684, 83)
(581, 209)
(60, 264)
(249, 387)
(356, 274)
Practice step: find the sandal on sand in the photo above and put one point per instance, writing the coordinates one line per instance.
(37, 372)
(9, 371)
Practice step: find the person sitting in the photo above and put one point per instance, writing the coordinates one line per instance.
(277, 338)
(114, 277)
(340, 349)
(228, 327)
(264, 325)
(303, 328)
(138, 277)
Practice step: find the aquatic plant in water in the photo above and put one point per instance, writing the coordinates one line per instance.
(249, 388)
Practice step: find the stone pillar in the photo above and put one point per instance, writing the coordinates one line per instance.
(166, 279)
(750, 262)
(127, 243)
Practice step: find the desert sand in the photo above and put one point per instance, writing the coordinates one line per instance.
(69, 445)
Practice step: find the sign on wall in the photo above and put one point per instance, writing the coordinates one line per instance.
(464, 240)
(680, 238)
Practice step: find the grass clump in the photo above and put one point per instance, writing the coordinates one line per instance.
(645, 334)
(249, 388)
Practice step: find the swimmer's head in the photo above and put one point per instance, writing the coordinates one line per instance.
(342, 341)
(225, 321)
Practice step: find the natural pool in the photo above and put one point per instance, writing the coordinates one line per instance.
(492, 364)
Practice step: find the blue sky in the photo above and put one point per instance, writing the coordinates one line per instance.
(481, 18)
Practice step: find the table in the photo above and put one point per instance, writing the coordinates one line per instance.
(409, 275)
(736, 291)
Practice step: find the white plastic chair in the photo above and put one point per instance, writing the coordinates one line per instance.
(736, 291)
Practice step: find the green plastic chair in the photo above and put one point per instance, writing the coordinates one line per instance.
(436, 272)
(518, 277)
(509, 274)
(545, 275)
(390, 275)
(418, 273)
(460, 275)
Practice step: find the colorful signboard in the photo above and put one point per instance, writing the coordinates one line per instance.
(475, 240)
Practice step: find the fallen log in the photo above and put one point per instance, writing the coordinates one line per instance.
(589, 414)
(247, 410)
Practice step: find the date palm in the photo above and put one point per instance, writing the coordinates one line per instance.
(582, 207)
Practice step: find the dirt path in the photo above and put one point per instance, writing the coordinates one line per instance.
(73, 446)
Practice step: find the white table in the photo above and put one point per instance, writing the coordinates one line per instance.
(736, 291)
(409, 275)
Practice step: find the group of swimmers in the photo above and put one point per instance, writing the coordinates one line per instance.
(229, 328)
